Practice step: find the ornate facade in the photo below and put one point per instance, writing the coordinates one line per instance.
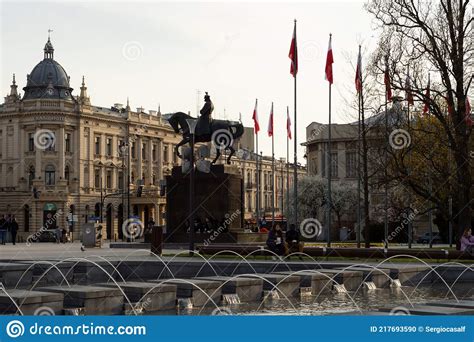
(61, 156)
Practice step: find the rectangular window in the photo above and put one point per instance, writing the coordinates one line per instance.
(31, 142)
(144, 151)
(351, 164)
(97, 178)
(334, 165)
(67, 142)
(133, 150)
(97, 145)
(50, 177)
(165, 154)
(108, 147)
(120, 180)
(153, 153)
(109, 179)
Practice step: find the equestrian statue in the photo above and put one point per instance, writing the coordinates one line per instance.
(222, 133)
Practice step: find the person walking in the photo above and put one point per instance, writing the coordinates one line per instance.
(3, 229)
(13, 229)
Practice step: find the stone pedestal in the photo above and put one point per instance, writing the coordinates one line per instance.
(218, 196)
(149, 296)
(94, 299)
(31, 302)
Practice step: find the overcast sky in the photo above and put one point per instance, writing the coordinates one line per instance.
(164, 53)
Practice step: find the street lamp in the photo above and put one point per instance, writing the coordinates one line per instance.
(192, 128)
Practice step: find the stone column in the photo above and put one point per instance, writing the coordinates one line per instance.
(21, 152)
(138, 148)
(150, 161)
(38, 155)
(60, 144)
(159, 154)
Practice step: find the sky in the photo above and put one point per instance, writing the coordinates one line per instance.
(170, 53)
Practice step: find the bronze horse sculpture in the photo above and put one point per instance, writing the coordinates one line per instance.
(223, 133)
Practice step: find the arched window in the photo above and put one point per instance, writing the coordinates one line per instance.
(50, 175)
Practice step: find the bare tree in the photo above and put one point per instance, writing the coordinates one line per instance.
(434, 38)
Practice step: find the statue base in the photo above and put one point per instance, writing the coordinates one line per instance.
(218, 197)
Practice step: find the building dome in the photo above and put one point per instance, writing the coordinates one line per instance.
(48, 79)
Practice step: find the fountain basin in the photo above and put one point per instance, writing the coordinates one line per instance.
(380, 277)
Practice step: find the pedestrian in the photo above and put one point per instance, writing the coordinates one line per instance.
(275, 241)
(467, 242)
(293, 241)
(13, 229)
(3, 229)
(59, 235)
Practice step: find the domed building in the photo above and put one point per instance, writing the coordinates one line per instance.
(61, 156)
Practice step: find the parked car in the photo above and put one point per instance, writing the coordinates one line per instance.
(425, 238)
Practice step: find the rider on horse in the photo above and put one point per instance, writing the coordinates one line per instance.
(203, 126)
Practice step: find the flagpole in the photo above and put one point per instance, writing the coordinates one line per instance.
(273, 172)
(358, 168)
(329, 200)
(410, 226)
(328, 229)
(257, 182)
(295, 166)
(287, 167)
(386, 158)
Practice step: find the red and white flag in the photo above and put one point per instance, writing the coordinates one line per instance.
(426, 107)
(358, 77)
(270, 123)
(255, 118)
(293, 54)
(288, 123)
(329, 62)
(468, 113)
(388, 88)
